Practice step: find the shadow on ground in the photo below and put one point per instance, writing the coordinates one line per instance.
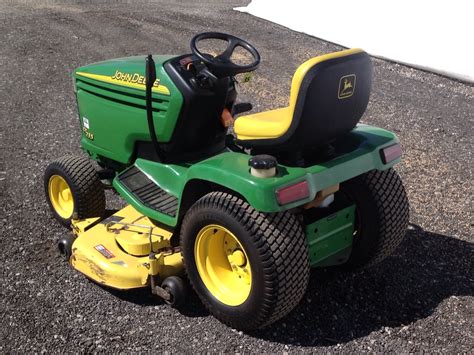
(143, 297)
(426, 269)
(340, 307)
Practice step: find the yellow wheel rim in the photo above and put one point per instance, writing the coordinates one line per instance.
(60, 195)
(223, 265)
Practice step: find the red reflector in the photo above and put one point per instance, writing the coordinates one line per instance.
(293, 193)
(391, 153)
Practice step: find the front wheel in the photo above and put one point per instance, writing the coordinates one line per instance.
(248, 268)
(73, 186)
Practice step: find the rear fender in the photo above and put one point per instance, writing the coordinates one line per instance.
(230, 171)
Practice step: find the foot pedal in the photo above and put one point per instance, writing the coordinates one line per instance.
(147, 192)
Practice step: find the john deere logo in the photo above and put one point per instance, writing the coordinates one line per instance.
(347, 86)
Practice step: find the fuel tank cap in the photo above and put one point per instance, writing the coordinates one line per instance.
(263, 165)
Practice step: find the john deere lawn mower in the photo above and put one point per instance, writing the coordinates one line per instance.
(241, 213)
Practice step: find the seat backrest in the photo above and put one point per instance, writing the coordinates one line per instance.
(329, 95)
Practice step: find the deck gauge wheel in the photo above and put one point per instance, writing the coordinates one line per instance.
(175, 286)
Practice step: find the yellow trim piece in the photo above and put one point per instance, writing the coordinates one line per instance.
(96, 253)
(274, 123)
(60, 195)
(161, 89)
(223, 265)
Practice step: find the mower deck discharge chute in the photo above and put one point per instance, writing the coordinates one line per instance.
(243, 217)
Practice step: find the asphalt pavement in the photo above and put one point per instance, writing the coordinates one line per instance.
(420, 299)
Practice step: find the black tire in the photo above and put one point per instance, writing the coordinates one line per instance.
(177, 289)
(86, 188)
(277, 253)
(382, 215)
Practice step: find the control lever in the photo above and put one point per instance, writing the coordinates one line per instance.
(206, 79)
(150, 78)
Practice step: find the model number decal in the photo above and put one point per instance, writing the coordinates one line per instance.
(88, 134)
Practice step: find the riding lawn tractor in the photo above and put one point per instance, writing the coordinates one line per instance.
(241, 216)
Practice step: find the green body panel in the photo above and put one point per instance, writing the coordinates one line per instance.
(115, 109)
(330, 238)
(231, 170)
(169, 177)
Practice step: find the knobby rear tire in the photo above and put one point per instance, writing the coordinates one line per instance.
(278, 254)
(382, 211)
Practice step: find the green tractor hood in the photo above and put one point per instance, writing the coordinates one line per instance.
(111, 102)
(126, 73)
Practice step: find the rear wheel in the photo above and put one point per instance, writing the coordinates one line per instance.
(73, 186)
(382, 215)
(248, 268)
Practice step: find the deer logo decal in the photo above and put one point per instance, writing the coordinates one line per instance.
(346, 86)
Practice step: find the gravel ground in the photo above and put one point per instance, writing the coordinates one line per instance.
(420, 299)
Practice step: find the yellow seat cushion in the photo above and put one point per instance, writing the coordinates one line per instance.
(263, 125)
(274, 123)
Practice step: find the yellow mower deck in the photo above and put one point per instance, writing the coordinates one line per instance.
(116, 251)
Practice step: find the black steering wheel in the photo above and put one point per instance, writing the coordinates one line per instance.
(222, 65)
